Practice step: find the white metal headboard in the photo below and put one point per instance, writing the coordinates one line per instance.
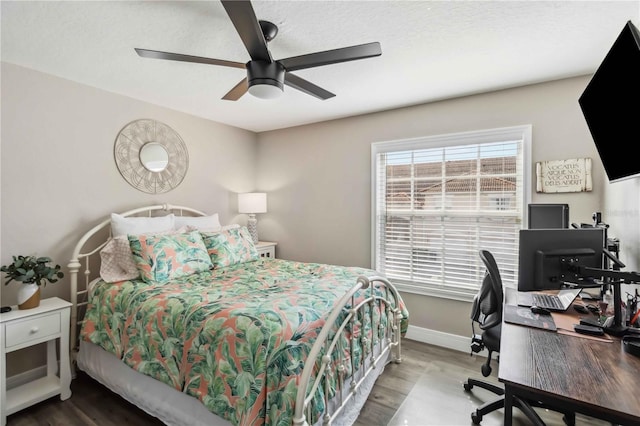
(83, 254)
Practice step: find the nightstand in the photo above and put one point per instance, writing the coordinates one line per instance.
(21, 328)
(267, 249)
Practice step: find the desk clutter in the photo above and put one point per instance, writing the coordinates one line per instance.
(601, 318)
(524, 316)
(580, 316)
(567, 322)
(539, 318)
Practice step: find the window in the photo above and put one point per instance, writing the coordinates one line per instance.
(438, 200)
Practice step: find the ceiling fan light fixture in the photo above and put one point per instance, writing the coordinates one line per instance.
(265, 79)
(265, 91)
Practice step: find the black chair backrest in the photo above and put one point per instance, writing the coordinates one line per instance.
(489, 299)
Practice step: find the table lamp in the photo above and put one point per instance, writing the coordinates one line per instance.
(252, 203)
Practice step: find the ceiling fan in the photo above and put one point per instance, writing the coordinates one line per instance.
(266, 77)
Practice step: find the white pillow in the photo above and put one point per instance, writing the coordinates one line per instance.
(209, 223)
(121, 225)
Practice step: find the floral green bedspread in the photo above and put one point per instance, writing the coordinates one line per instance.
(236, 338)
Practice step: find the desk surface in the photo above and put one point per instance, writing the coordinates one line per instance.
(596, 378)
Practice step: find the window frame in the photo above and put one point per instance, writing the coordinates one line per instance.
(520, 132)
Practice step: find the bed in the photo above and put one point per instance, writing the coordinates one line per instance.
(186, 321)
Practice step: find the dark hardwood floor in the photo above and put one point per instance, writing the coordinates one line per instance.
(425, 389)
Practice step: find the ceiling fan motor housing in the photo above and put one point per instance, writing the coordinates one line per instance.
(262, 72)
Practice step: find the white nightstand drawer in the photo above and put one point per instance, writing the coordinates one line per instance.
(32, 329)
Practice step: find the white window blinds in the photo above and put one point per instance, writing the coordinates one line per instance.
(439, 200)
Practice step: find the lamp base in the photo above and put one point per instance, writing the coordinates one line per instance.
(252, 226)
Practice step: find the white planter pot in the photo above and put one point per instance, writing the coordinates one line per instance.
(28, 296)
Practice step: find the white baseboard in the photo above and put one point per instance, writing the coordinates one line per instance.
(26, 376)
(438, 338)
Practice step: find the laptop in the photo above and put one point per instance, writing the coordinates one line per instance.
(553, 302)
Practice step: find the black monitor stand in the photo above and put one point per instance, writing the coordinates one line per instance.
(617, 328)
(611, 244)
(615, 278)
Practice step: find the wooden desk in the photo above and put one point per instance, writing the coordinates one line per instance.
(594, 378)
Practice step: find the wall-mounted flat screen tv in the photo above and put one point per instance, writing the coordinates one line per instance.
(611, 106)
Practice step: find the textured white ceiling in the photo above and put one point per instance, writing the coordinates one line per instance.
(431, 50)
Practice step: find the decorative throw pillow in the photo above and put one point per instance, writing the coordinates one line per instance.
(230, 246)
(201, 223)
(121, 225)
(161, 258)
(116, 261)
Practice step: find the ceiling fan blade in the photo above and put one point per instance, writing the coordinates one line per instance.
(244, 19)
(237, 91)
(155, 54)
(307, 87)
(334, 56)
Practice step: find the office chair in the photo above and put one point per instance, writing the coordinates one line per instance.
(486, 311)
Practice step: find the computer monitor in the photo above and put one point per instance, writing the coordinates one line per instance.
(545, 216)
(545, 253)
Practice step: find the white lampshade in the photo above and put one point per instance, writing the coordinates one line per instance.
(252, 202)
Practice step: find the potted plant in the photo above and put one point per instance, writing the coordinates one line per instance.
(32, 272)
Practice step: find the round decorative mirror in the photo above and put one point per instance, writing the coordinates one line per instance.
(151, 156)
(154, 157)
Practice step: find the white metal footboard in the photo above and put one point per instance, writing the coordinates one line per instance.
(387, 336)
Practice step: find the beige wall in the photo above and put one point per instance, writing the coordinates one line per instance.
(59, 176)
(319, 176)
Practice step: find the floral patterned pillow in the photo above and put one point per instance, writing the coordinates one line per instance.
(161, 258)
(230, 246)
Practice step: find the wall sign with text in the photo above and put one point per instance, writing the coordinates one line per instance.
(572, 175)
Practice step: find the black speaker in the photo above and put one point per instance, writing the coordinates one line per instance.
(546, 216)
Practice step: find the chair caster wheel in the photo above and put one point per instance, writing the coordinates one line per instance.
(486, 370)
(475, 418)
(467, 386)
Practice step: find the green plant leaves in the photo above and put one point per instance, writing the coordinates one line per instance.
(31, 269)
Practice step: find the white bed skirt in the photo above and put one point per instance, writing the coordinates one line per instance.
(176, 408)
